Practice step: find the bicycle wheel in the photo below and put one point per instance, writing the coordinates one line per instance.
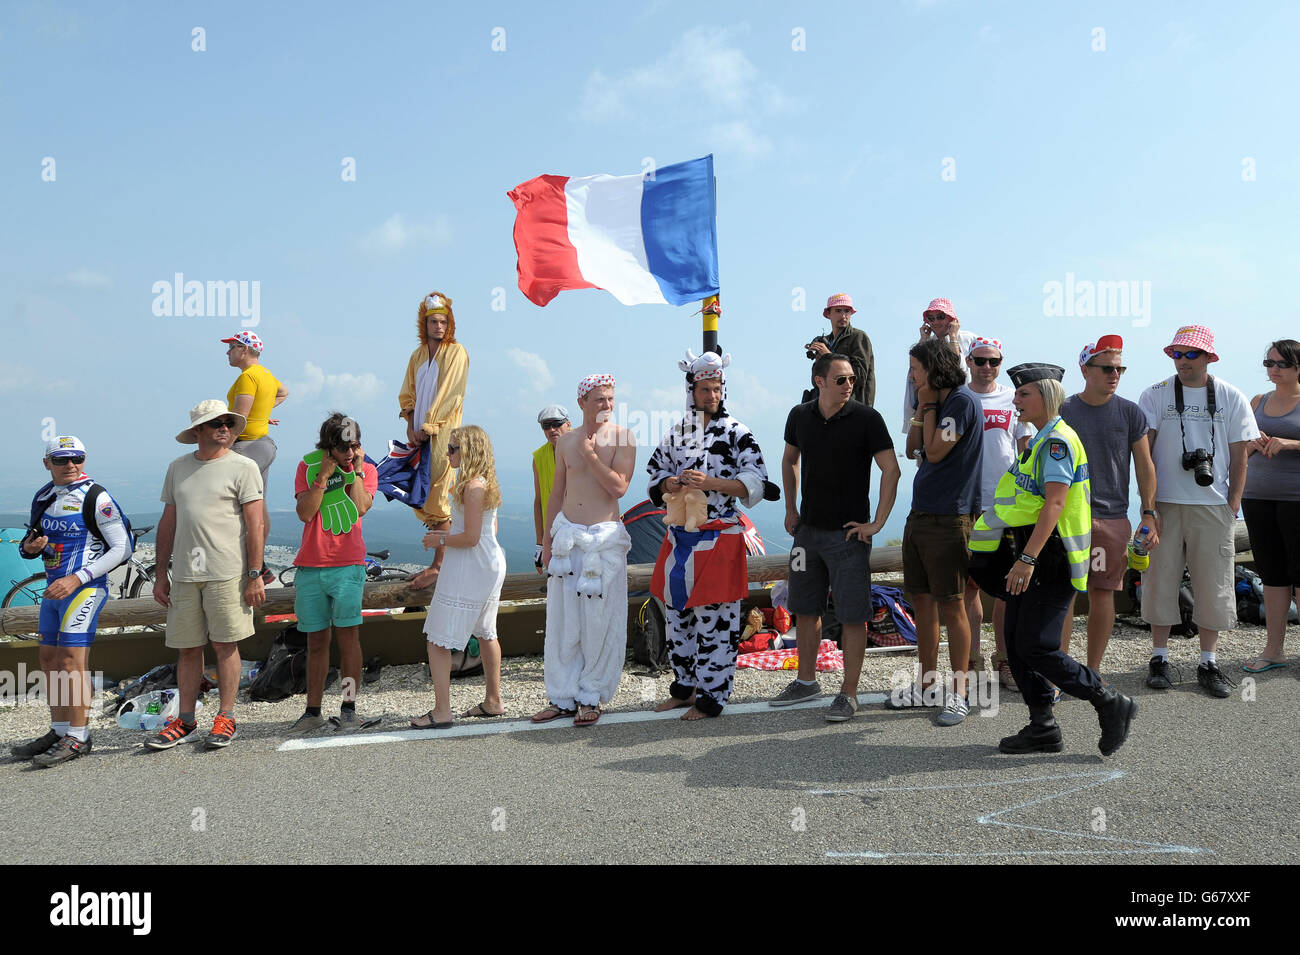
(26, 593)
(146, 578)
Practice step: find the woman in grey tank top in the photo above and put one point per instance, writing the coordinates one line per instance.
(1271, 501)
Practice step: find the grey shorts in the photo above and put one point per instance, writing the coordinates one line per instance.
(261, 451)
(822, 559)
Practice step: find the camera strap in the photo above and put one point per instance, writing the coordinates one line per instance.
(1209, 406)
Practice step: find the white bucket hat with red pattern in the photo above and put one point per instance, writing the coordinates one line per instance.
(1193, 337)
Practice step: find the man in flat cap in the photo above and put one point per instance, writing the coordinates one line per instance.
(554, 421)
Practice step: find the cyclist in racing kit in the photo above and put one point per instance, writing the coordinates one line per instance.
(77, 562)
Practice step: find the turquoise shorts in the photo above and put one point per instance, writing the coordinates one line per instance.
(326, 595)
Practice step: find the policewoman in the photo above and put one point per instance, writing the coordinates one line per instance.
(1042, 506)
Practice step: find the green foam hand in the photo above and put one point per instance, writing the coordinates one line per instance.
(338, 513)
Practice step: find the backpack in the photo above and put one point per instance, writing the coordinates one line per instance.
(284, 673)
(88, 511)
(1186, 604)
(1250, 598)
(892, 623)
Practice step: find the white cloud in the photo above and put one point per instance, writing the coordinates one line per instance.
(741, 136)
(20, 378)
(343, 386)
(705, 77)
(537, 376)
(87, 278)
(396, 234)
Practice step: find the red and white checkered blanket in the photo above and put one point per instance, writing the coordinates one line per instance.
(829, 657)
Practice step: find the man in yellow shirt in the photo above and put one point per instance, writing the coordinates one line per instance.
(255, 392)
(554, 420)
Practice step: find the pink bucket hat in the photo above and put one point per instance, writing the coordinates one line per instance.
(940, 305)
(837, 300)
(1193, 336)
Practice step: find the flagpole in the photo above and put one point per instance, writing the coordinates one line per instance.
(710, 309)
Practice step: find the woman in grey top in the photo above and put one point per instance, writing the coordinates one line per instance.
(1271, 502)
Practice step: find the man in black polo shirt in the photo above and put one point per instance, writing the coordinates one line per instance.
(831, 442)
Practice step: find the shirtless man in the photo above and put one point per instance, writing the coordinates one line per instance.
(585, 554)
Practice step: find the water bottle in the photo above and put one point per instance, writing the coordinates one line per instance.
(1139, 558)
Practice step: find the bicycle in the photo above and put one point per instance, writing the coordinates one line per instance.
(375, 571)
(31, 591)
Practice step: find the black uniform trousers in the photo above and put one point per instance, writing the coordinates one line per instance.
(1033, 632)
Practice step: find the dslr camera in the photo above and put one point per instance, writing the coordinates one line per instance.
(1201, 463)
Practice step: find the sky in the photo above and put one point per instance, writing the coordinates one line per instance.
(342, 160)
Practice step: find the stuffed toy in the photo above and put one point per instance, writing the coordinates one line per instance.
(687, 508)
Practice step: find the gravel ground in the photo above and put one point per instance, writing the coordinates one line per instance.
(404, 691)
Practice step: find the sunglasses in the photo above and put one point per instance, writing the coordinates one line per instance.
(1192, 355)
(216, 424)
(1270, 363)
(981, 362)
(550, 423)
(1110, 369)
(844, 379)
(452, 449)
(79, 459)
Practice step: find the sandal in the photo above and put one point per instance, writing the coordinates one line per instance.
(429, 722)
(587, 716)
(1260, 664)
(477, 712)
(551, 712)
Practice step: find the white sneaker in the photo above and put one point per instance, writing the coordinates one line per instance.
(955, 709)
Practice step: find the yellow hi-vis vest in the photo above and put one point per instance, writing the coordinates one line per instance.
(544, 461)
(1019, 499)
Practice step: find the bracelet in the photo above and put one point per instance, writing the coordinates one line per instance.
(925, 408)
(1031, 561)
(917, 423)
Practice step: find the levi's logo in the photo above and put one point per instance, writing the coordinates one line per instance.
(996, 419)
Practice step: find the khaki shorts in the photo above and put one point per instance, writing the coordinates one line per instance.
(1109, 559)
(206, 610)
(936, 554)
(1203, 533)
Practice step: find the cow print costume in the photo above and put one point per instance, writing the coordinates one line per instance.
(703, 639)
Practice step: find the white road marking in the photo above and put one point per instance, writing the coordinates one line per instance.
(1097, 778)
(465, 728)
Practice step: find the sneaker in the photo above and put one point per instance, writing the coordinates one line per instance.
(842, 710)
(955, 709)
(348, 721)
(796, 692)
(173, 732)
(223, 731)
(307, 724)
(1005, 678)
(1212, 680)
(1115, 713)
(912, 696)
(35, 747)
(65, 749)
(1158, 674)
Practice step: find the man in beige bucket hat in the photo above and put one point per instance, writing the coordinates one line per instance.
(212, 523)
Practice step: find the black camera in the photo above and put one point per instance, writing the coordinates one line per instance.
(1201, 463)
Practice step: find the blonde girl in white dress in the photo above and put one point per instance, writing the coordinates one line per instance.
(469, 583)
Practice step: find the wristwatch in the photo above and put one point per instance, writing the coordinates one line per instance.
(1031, 561)
(1147, 511)
(253, 574)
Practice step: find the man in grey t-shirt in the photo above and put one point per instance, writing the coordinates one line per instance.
(1113, 430)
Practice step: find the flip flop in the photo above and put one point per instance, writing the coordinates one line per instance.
(430, 723)
(551, 712)
(587, 716)
(476, 712)
(1253, 665)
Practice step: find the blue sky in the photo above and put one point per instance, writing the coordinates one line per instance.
(908, 150)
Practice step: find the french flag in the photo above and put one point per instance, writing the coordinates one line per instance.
(645, 239)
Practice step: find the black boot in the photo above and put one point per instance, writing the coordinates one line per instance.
(1042, 735)
(1115, 713)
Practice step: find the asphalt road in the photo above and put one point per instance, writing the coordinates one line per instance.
(1200, 782)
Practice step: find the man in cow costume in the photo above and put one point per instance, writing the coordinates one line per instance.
(701, 575)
